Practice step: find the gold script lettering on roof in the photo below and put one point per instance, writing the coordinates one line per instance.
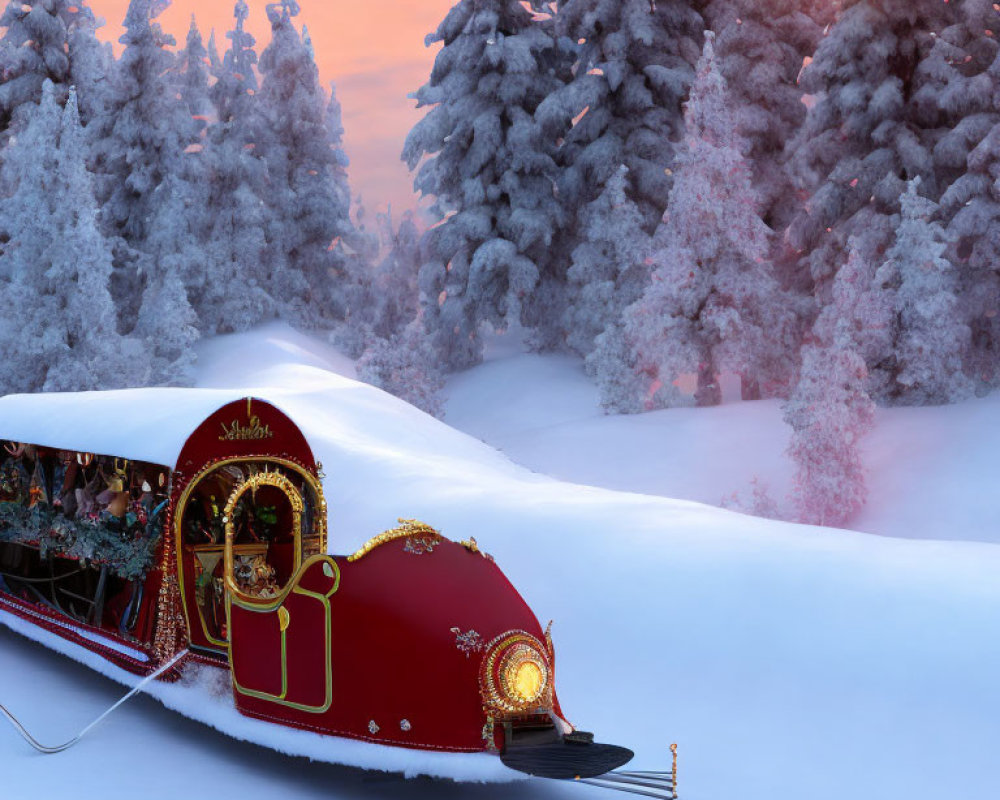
(238, 431)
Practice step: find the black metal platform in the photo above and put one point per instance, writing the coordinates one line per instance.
(566, 759)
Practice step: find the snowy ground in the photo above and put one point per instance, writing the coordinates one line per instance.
(931, 471)
(786, 661)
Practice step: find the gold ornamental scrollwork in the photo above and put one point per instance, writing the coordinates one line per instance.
(407, 528)
(511, 657)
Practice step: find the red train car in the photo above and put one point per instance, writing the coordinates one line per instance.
(414, 641)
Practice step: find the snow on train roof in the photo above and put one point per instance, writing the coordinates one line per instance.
(140, 424)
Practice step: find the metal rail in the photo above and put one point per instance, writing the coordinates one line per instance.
(58, 748)
(646, 783)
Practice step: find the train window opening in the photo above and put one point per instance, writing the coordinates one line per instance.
(265, 514)
(263, 522)
(78, 534)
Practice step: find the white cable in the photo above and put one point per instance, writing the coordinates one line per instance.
(41, 748)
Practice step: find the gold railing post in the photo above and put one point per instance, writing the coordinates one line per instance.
(673, 749)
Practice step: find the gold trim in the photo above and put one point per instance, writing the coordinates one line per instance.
(407, 528)
(252, 484)
(514, 648)
(277, 603)
(320, 522)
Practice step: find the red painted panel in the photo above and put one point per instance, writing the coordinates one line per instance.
(307, 635)
(256, 661)
(399, 676)
(266, 431)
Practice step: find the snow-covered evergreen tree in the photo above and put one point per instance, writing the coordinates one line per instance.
(28, 343)
(46, 40)
(168, 327)
(91, 63)
(64, 335)
(308, 199)
(484, 157)
(624, 387)
(712, 304)
(94, 355)
(177, 244)
(623, 104)
(396, 297)
(232, 294)
(761, 46)
(962, 91)
(974, 200)
(608, 270)
(178, 258)
(957, 88)
(144, 144)
(235, 75)
(830, 413)
(383, 300)
(405, 365)
(862, 138)
(929, 338)
(193, 68)
(830, 410)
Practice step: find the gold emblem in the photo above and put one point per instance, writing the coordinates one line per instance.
(253, 430)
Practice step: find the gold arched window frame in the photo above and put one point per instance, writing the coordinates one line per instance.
(262, 461)
(252, 484)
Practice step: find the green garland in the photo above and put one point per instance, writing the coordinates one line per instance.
(128, 551)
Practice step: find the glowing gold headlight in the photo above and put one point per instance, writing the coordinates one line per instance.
(516, 674)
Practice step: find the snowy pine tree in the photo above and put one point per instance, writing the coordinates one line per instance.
(67, 337)
(761, 47)
(405, 365)
(28, 342)
(396, 296)
(929, 339)
(830, 410)
(712, 304)
(91, 63)
(962, 90)
(178, 262)
(608, 270)
(485, 159)
(830, 413)
(193, 69)
(308, 200)
(862, 138)
(624, 388)
(143, 145)
(623, 105)
(233, 294)
(168, 327)
(79, 259)
(51, 40)
(235, 76)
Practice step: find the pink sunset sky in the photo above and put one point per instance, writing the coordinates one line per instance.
(373, 52)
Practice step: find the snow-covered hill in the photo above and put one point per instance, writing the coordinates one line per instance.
(931, 470)
(786, 661)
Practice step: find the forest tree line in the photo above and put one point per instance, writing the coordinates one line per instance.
(802, 193)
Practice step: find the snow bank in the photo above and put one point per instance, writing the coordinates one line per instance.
(931, 472)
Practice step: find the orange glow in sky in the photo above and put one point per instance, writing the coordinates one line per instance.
(374, 53)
